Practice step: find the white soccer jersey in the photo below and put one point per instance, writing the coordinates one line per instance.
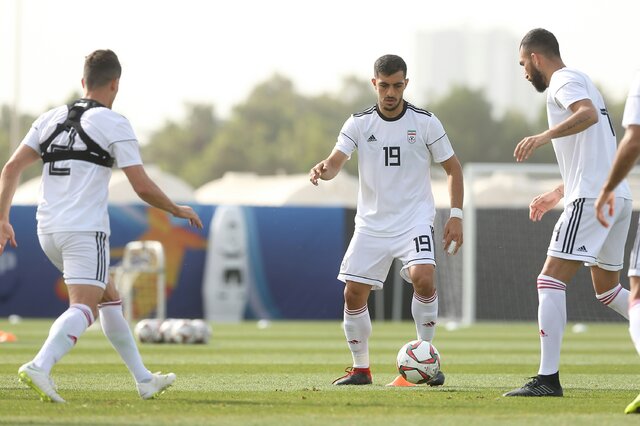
(394, 162)
(632, 106)
(586, 157)
(74, 193)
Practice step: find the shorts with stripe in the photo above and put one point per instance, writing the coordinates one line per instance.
(368, 258)
(579, 236)
(82, 257)
(634, 258)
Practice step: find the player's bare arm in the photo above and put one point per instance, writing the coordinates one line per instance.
(328, 169)
(9, 179)
(455, 184)
(545, 202)
(149, 192)
(584, 115)
(626, 156)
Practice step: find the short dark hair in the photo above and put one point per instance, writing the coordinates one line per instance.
(100, 67)
(388, 65)
(541, 41)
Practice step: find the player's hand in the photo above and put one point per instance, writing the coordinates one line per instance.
(187, 212)
(6, 234)
(542, 204)
(452, 232)
(316, 172)
(606, 198)
(526, 146)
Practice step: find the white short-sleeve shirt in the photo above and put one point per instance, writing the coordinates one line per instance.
(585, 158)
(632, 106)
(74, 193)
(394, 163)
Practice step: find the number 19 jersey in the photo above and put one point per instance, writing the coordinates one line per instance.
(394, 163)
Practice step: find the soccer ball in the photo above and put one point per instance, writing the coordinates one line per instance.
(182, 331)
(148, 331)
(202, 331)
(166, 330)
(418, 361)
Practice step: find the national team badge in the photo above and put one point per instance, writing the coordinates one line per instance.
(411, 136)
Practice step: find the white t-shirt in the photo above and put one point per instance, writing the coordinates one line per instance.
(74, 193)
(585, 157)
(394, 162)
(632, 106)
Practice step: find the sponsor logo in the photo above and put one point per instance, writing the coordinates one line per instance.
(354, 342)
(411, 136)
(543, 334)
(429, 324)
(372, 139)
(73, 338)
(582, 249)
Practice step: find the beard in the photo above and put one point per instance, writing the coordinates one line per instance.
(538, 81)
(391, 108)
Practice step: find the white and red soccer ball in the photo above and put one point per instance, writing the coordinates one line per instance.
(418, 361)
(172, 330)
(148, 330)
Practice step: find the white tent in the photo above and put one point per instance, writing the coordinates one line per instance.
(120, 190)
(279, 190)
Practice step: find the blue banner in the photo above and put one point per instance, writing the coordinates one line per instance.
(294, 256)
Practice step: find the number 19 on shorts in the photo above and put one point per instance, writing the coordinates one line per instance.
(423, 243)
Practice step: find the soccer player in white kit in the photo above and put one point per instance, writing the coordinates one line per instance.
(78, 145)
(626, 157)
(396, 143)
(584, 142)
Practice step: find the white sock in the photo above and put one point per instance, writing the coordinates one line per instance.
(357, 329)
(552, 318)
(617, 299)
(634, 323)
(63, 335)
(117, 330)
(425, 315)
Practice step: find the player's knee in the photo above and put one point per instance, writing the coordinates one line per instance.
(424, 285)
(355, 296)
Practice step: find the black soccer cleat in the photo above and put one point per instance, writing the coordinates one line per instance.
(537, 387)
(355, 376)
(437, 380)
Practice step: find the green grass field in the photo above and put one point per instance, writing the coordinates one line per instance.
(282, 375)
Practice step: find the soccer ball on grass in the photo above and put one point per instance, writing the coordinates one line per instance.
(148, 331)
(418, 361)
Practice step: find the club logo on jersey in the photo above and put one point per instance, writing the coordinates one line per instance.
(372, 139)
(411, 136)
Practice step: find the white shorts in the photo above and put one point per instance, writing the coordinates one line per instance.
(82, 257)
(634, 258)
(368, 258)
(579, 236)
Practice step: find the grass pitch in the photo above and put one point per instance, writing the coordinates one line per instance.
(282, 375)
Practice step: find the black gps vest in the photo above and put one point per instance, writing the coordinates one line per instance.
(94, 152)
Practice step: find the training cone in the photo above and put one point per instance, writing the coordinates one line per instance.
(400, 381)
(6, 337)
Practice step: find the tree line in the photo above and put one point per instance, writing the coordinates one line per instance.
(279, 130)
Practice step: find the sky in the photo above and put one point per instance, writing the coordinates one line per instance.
(214, 52)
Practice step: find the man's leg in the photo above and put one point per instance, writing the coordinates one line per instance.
(63, 335)
(424, 304)
(117, 330)
(424, 308)
(357, 330)
(609, 291)
(552, 318)
(634, 330)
